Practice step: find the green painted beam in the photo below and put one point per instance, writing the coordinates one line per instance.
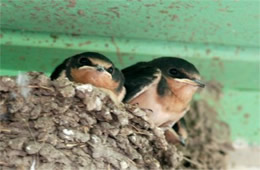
(223, 22)
(241, 109)
(48, 50)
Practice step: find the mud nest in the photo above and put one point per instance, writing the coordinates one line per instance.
(209, 141)
(62, 125)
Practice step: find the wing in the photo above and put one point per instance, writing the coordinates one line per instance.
(138, 78)
(58, 70)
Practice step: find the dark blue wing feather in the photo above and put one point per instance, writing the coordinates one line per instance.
(137, 77)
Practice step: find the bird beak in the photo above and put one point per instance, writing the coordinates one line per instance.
(193, 82)
(182, 141)
(199, 83)
(100, 68)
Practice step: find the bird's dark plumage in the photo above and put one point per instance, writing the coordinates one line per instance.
(141, 75)
(58, 70)
(164, 63)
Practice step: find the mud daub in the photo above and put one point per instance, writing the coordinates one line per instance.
(209, 141)
(61, 125)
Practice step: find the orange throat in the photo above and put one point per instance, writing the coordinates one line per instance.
(98, 79)
(169, 107)
(180, 94)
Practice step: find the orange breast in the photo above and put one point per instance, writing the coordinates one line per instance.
(163, 107)
(94, 77)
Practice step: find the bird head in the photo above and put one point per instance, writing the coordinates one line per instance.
(91, 68)
(182, 77)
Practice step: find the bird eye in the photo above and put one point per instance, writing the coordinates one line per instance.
(84, 61)
(174, 72)
(110, 70)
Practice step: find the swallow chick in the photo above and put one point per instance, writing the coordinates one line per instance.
(95, 69)
(165, 85)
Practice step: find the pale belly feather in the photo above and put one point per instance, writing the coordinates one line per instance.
(159, 116)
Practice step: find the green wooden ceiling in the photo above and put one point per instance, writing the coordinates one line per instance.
(225, 22)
